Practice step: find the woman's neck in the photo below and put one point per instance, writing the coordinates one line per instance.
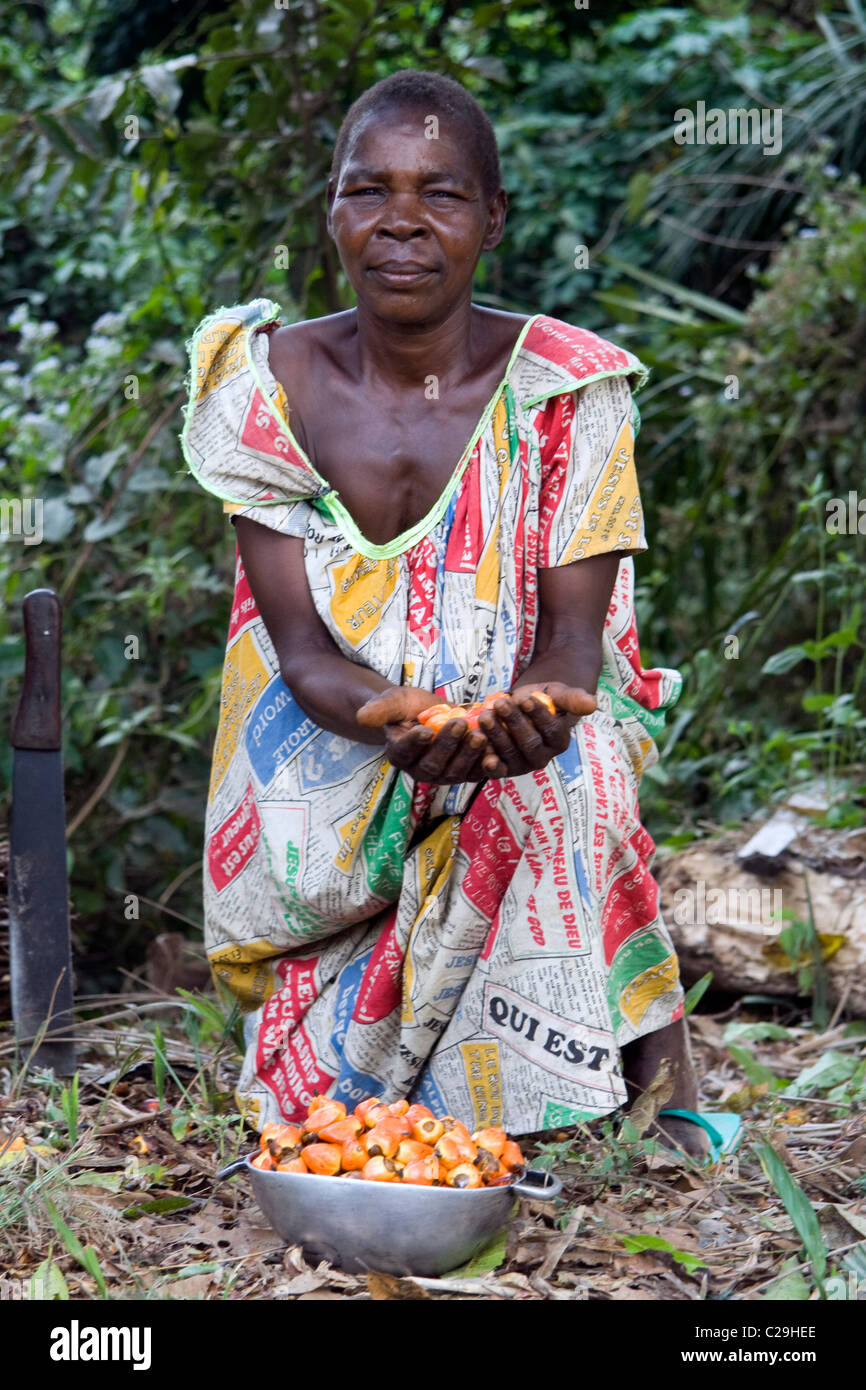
(407, 354)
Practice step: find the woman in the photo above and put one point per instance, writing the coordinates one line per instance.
(471, 919)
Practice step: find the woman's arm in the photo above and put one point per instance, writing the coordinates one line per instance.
(327, 685)
(573, 601)
(573, 604)
(330, 687)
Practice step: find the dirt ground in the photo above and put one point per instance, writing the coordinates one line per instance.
(112, 1192)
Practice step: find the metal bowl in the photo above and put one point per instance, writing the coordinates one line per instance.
(358, 1226)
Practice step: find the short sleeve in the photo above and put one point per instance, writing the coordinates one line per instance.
(236, 439)
(589, 502)
(290, 518)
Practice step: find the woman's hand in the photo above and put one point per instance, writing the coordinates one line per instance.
(453, 755)
(524, 735)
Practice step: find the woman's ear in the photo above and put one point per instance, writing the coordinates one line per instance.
(330, 195)
(497, 210)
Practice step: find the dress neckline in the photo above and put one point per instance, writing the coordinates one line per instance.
(329, 498)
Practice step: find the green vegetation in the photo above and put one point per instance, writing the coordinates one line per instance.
(108, 1188)
(157, 160)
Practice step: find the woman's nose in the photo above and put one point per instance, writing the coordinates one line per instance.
(402, 217)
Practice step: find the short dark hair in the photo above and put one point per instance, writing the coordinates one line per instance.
(435, 94)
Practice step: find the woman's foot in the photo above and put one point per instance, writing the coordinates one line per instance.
(641, 1060)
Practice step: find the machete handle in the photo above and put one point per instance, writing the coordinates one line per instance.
(37, 719)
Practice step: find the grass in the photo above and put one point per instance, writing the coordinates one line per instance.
(114, 1194)
(81, 1167)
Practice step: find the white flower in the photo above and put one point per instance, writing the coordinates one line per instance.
(109, 323)
(98, 345)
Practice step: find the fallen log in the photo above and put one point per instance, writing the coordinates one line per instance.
(727, 899)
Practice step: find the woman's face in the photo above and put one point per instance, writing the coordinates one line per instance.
(409, 217)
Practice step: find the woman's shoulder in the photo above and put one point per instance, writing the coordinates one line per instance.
(235, 437)
(577, 349)
(266, 315)
(325, 331)
(294, 346)
(558, 357)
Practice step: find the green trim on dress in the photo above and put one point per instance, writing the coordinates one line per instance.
(330, 499)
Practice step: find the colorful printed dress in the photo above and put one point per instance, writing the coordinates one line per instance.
(484, 949)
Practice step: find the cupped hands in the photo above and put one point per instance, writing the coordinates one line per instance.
(517, 735)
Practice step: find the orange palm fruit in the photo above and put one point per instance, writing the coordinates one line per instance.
(463, 1142)
(399, 1125)
(285, 1134)
(319, 1099)
(382, 1115)
(280, 1137)
(364, 1105)
(293, 1165)
(324, 1115)
(471, 716)
(502, 1175)
(380, 1169)
(282, 1154)
(264, 1161)
(511, 1156)
(323, 1158)
(341, 1130)
(375, 1113)
(410, 1150)
(418, 1112)
(398, 1107)
(492, 1139)
(434, 712)
(447, 1152)
(427, 1130)
(490, 700)
(438, 721)
(353, 1155)
(463, 1175)
(545, 700)
(486, 1163)
(422, 1171)
(382, 1141)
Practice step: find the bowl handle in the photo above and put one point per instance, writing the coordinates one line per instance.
(236, 1166)
(538, 1184)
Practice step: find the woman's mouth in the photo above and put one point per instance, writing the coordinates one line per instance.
(401, 272)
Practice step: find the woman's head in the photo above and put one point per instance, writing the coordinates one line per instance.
(433, 95)
(414, 195)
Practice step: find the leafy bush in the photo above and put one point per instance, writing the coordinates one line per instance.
(137, 197)
(754, 585)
